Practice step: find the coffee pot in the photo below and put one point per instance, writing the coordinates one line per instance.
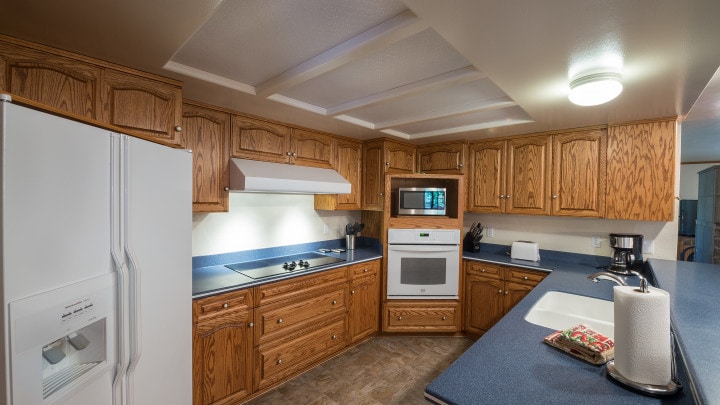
(627, 252)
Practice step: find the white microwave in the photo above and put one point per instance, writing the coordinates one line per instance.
(422, 201)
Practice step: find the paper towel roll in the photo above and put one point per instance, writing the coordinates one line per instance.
(642, 335)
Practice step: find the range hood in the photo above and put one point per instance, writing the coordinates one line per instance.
(265, 177)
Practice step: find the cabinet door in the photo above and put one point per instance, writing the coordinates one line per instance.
(207, 134)
(364, 300)
(484, 303)
(419, 316)
(641, 171)
(312, 149)
(399, 158)
(445, 158)
(486, 178)
(142, 106)
(579, 174)
(514, 293)
(373, 192)
(58, 82)
(260, 140)
(528, 175)
(349, 165)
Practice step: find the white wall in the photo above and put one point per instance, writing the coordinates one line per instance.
(689, 180)
(257, 221)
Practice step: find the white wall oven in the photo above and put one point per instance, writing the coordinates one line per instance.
(423, 263)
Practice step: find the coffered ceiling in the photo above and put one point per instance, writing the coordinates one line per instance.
(420, 70)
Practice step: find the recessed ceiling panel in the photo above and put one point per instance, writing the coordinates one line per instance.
(251, 41)
(477, 94)
(415, 58)
(480, 119)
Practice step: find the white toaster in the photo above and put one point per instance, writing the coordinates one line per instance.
(525, 250)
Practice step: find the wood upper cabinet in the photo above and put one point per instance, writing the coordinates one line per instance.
(143, 106)
(381, 157)
(528, 175)
(63, 83)
(491, 291)
(349, 164)
(442, 158)
(579, 170)
(364, 299)
(486, 176)
(641, 171)
(207, 134)
(222, 348)
(271, 142)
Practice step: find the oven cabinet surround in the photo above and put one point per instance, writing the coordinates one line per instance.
(248, 341)
(641, 162)
(444, 157)
(134, 102)
(382, 157)
(492, 290)
(207, 134)
(222, 348)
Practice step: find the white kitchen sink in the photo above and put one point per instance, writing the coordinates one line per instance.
(560, 310)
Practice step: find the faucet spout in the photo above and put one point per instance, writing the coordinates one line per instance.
(604, 275)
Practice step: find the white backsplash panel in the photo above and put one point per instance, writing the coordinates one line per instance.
(258, 220)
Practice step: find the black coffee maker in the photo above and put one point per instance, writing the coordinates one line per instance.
(627, 252)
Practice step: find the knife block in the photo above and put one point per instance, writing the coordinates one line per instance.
(470, 244)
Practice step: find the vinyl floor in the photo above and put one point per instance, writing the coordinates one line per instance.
(381, 370)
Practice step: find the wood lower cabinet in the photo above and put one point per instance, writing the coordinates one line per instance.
(364, 300)
(421, 316)
(446, 157)
(207, 134)
(641, 171)
(222, 348)
(491, 291)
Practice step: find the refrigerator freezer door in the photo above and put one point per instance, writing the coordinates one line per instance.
(158, 244)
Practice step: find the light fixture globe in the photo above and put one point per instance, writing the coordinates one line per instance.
(595, 89)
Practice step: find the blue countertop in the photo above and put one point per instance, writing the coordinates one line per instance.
(511, 364)
(211, 277)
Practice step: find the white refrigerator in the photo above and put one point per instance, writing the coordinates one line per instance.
(96, 265)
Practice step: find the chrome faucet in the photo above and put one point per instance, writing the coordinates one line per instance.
(604, 275)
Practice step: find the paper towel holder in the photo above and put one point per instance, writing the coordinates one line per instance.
(672, 387)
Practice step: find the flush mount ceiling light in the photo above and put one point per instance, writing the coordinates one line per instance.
(594, 89)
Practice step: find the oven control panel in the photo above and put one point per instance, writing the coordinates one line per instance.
(424, 236)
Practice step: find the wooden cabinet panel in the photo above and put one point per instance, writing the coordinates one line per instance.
(641, 171)
(486, 176)
(373, 192)
(421, 316)
(277, 361)
(300, 286)
(364, 300)
(260, 140)
(523, 276)
(442, 158)
(207, 134)
(312, 149)
(579, 169)
(484, 303)
(62, 83)
(143, 106)
(399, 158)
(349, 165)
(528, 175)
(514, 293)
(222, 348)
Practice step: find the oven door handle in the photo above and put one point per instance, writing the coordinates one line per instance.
(424, 248)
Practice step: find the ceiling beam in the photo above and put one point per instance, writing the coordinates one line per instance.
(448, 112)
(458, 76)
(379, 37)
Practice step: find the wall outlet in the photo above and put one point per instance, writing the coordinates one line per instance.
(325, 229)
(596, 242)
(648, 246)
(489, 232)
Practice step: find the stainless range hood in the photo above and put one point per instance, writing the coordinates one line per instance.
(265, 177)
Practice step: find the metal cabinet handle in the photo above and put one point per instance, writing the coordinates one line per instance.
(334, 302)
(506, 292)
(225, 305)
(507, 196)
(334, 336)
(502, 195)
(387, 163)
(443, 318)
(483, 270)
(227, 188)
(279, 320)
(499, 291)
(460, 165)
(288, 153)
(251, 324)
(399, 318)
(279, 361)
(294, 154)
(554, 196)
(525, 278)
(365, 270)
(382, 194)
(352, 292)
(178, 128)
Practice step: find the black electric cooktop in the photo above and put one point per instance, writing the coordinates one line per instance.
(282, 265)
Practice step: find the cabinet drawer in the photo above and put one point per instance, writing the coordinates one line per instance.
(528, 277)
(279, 361)
(483, 269)
(275, 320)
(287, 289)
(221, 305)
(364, 269)
(421, 319)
